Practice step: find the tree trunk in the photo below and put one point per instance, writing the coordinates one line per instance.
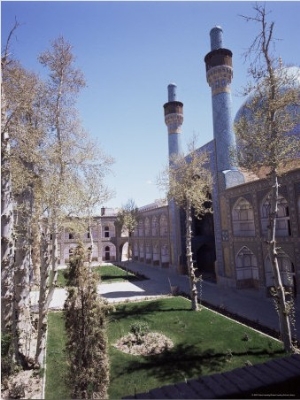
(189, 258)
(283, 312)
(47, 286)
(7, 237)
(90, 254)
(23, 329)
(128, 249)
(42, 321)
(36, 247)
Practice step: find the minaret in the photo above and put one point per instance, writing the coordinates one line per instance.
(173, 119)
(173, 111)
(219, 74)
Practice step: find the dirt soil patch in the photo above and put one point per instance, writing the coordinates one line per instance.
(24, 384)
(146, 345)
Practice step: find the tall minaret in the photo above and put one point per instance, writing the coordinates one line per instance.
(219, 74)
(173, 119)
(173, 111)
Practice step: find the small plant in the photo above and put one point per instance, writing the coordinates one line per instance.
(139, 328)
(229, 355)
(246, 337)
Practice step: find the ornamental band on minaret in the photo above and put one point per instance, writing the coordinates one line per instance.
(219, 73)
(173, 111)
(219, 69)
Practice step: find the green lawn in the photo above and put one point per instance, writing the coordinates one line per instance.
(56, 365)
(204, 343)
(107, 273)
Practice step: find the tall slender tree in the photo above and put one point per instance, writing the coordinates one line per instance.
(188, 183)
(266, 132)
(20, 109)
(85, 318)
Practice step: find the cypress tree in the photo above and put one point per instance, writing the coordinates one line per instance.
(85, 321)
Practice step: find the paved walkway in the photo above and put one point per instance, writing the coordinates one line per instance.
(248, 303)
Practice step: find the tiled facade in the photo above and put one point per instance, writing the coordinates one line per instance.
(229, 246)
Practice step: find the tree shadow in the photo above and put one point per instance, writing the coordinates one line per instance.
(119, 278)
(129, 309)
(186, 362)
(177, 364)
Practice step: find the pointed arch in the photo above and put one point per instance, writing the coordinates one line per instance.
(147, 226)
(286, 268)
(243, 218)
(154, 225)
(163, 226)
(141, 227)
(148, 251)
(141, 252)
(246, 268)
(165, 255)
(283, 227)
(156, 256)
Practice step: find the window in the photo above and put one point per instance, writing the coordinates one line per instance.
(154, 226)
(106, 231)
(243, 218)
(286, 268)
(147, 227)
(141, 227)
(107, 253)
(246, 264)
(163, 226)
(283, 227)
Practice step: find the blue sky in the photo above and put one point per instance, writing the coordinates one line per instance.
(129, 52)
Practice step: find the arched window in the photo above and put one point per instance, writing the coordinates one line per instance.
(163, 226)
(154, 226)
(141, 227)
(106, 231)
(107, 253)
(283, 227)
(243, 218)
(156, 258)
(246, 265)
(147, 227)
(286, 269)
(148, 252)
(141, 249)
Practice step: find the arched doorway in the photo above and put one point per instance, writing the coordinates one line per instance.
(124, 251)
(107, 253)
(205, 262)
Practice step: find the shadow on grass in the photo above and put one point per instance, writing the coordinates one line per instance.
(125, 311)
(183, 362)
(118, 278)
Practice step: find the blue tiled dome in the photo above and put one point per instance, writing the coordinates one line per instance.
(292, 74)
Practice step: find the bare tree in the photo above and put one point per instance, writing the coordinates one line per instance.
(20, 107)
(127, 219)
(188, 183)
(91, 192)
(7, 237)
(267, 139)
